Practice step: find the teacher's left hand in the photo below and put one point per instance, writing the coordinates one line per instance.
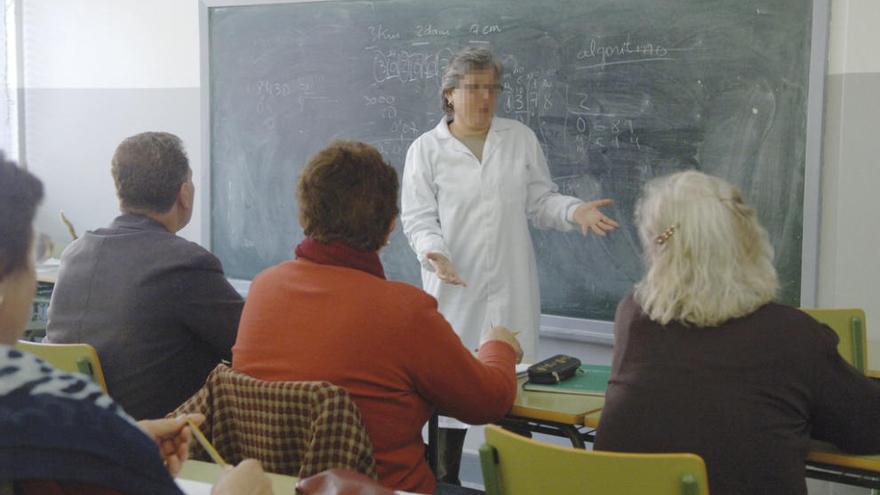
(588, 216)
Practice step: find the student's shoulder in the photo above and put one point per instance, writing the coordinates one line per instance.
(409, 292)
(795, 328)
(187, 253)
(416, 314)
(786, 317)
(276, 274)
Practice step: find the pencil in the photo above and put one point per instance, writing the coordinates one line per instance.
(205, 443)
(69, 226)
(492, 325)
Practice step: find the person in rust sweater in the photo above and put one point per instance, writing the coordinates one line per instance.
(331, 315)
(705, 362)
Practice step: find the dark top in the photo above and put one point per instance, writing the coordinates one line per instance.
(155, 306)
(60, 434)
(746, 396)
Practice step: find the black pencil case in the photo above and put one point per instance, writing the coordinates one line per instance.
(554, 369)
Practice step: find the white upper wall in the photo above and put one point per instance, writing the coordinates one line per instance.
(95, 72)
(111, 43)
(853, 39)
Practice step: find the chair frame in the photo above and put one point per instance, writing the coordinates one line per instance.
(680, 473)
(77, 358)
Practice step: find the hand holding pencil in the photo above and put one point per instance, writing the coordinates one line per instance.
(172, 435)
(203, 441)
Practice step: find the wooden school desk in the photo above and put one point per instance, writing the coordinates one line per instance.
(566, 415)
(36, 327)
(826, 462)
(48, 275)
(208, 472)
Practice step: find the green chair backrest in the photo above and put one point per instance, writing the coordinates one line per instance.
(849, 324)
(81, 358)
(515, 465)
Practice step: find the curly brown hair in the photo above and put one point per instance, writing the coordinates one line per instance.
(20, 193)
(148, 169)
(348, 192)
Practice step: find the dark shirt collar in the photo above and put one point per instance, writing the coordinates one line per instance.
(136, 221)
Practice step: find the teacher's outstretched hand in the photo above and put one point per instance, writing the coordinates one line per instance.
(588, 216)
(444, 269)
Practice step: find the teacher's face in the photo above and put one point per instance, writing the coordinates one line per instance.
(473, 101)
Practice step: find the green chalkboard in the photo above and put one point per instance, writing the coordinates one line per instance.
(618, 92)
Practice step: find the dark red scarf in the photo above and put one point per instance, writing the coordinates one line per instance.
(339, 253)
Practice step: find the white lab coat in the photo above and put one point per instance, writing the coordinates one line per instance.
(477, 215)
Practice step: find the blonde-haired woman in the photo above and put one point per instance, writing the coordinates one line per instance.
(705, 362)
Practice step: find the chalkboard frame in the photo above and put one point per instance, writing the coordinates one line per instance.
(561, 327)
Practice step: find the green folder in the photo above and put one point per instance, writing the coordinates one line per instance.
(590, 379)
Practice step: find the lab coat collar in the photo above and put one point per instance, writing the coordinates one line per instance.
(498, 125)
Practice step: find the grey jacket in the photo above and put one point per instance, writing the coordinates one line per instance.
(155, 306)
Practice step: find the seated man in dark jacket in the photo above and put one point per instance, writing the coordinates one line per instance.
(156, 306)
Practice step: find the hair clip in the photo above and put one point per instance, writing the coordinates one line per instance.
(665, 235)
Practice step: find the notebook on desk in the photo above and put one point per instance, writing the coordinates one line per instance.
(591, 379)
(191, 487)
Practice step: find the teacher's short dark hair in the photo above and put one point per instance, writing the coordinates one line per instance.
(348, 192)
(20, 194)
(148, 169)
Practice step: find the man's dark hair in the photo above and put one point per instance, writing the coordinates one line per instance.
(148, 170)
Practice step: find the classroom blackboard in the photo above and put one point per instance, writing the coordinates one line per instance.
(618, 92)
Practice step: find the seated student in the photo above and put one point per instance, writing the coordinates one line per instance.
(331, 315)
(59, 433)
(156, 306)
(705, 362)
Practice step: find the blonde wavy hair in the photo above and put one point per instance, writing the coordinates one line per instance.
(708, 258)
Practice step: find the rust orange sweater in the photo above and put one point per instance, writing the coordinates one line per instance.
(385, 343)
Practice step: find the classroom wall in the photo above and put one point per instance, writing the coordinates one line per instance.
(6, 125)
(849, 264)
(97, 71)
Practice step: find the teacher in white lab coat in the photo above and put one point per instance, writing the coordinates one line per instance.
(470, 187)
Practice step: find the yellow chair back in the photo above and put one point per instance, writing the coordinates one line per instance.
(78, 358)
(849, 324)
(515, 465)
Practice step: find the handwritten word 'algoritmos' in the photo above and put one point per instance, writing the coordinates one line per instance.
(620, 50)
